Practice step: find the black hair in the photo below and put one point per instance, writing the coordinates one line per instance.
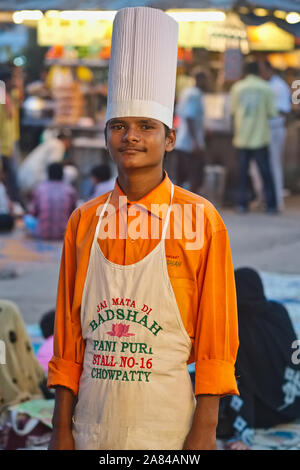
(251, 68)
(5, 73)
(268, 65)
(55, 172)
(47, 323)
(101, 172)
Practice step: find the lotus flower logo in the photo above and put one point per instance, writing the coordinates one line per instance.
(119, 330)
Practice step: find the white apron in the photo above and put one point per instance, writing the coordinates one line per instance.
(135, 391)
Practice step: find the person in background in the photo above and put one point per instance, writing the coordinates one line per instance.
(252, 105)
(102, 180)
(33, 170)
(71, 173)
(268, 372)
(7, 220)
(9, 136)
(52, 204)
(45, 352)
(190, 142)
(21, 377)
(282, 94)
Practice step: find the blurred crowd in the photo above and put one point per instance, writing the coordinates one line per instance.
(260, 103)
(46, 178)
(42, 188)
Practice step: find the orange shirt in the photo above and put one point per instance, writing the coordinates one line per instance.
(202, 278)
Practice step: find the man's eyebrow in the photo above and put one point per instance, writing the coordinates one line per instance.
(114, 121)
(147, 121)
(140, 121)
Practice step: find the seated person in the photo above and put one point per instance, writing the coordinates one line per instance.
(22, 378)
(45, 352)
(102, 180)
(267, 368)
(52, 204)
(33, 169)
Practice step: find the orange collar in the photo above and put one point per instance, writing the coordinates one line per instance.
(156, 202)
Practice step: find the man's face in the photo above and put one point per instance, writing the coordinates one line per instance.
(265, 72)
(138, 142)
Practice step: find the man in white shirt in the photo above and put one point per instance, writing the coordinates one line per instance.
(282, 96)
(190, 141)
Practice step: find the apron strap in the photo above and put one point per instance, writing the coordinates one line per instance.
(168, 214)
(101, 216)
(164, 231)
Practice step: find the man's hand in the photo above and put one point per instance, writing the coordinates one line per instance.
(204, 442)
(62, 439)
(202, 435)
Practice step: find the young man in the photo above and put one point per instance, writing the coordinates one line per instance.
(135, 304)
(252, 105)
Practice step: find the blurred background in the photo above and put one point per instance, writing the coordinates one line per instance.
(56, 55)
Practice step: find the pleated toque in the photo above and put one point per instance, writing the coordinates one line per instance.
(143, 63)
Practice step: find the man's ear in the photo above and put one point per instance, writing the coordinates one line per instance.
(170, 140)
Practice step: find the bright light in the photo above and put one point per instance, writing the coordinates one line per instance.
(280, 14)
(20, 61)
(293, 18)
(197, 15)
(27, 15)
(52, 14)
(88, 15)
(260, 12)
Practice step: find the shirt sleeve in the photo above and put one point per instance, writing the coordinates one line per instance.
(216, 335)
(65, 366)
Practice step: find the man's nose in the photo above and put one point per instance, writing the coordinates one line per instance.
(131, 134)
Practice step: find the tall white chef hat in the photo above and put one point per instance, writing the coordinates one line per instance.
(142, 69)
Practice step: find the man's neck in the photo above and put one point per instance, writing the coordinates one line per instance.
(136, 184)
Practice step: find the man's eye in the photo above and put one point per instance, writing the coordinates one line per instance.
(147, 126)
(116, 127)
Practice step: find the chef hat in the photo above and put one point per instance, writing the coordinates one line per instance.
(143, 62)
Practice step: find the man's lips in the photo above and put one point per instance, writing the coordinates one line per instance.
(131, 149)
